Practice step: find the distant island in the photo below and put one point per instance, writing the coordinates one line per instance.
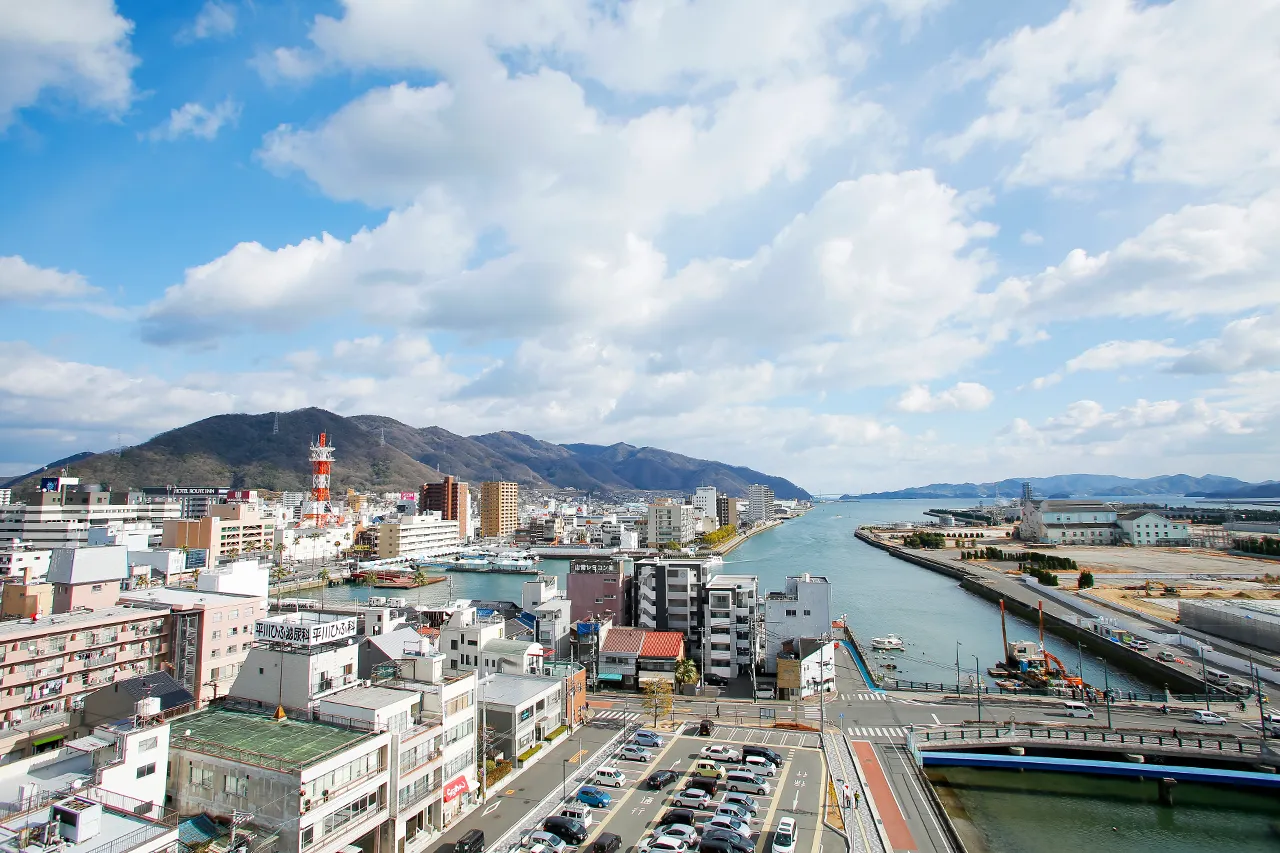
(1091, 485)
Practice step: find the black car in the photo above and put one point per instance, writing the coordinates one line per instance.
(675, 817)
(710, 784)
(715, 680)
(706, 728)
(725, 841)
(471, 841)
(606, 842)
(661, 779)
(567, 828)
(763, 752)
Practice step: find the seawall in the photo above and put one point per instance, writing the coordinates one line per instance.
(1023, 603)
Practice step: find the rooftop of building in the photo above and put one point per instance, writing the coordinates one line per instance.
(58, 622)
(259, 739)
(372, 698)
(1074, 506)
(509, 646)
(662, 644)
(503, 688)
(1136, 514)
(624, 640)
(731, 581)
(174, 597)
(1263, 611)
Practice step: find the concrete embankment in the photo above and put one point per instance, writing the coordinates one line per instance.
(743, 537)
(1057, 618)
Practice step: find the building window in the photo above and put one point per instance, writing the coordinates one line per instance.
(308, 836)
(235, 614)
(97, 587)
(213, 653)
(201, 778)
(791, 613)
(232, 784)
(148, 744)
(217, 617)
(217, 635)
(146, 770)
(215, 674)
(806, 613)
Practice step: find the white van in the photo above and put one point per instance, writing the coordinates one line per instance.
(759, 766)
(1217, 677)
(765, 693)
(609, 776)
(1077, 709)
(577, 811)
(746, 781)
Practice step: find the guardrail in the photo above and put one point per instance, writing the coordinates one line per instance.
(1056, 692)
(980, 735)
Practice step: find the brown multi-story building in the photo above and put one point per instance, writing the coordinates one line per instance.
(228, 530)
(727, 510)
(499, 508)
(450, 499)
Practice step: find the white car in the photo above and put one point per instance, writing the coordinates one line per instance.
(554, 843)
(688, 834)
(784, 837)
(632, 752)
(1208, 718)
(609, 776)
(756, 764)
(664, 844)
(729, 823)
(692, 798)
(719, 752)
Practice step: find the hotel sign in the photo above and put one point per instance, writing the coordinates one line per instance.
(304, 634)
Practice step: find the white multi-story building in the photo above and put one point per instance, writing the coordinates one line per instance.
(422, 535)
(802, 610)
(729, 643)
(670, 522)
(22, 563)
(293, 544)
(704, 499)
(668, 594)
(759, 503)
(1062, 522)
(1152, 528)
(6, 497)
(464, 636)
(62, 519)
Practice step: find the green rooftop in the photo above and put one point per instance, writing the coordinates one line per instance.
(259, 739)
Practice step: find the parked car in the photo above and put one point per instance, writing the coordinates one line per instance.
(676, 817)
(1208, 718)
(606, 842)
(535, 848)
(692, 798)
(687, 834)
(609, 776)
(644, 737)
(663, 844)
(552, 842)
(660, 779)
(630, 752)
(764, 752)
(569, 829)
(720, 752)
(729, 823)
(740, 780)
(705, 728)
(472, 841)
(765, 692)
(715, 680)
(710, 784)
(580, 812)
(725, 841)
(706, 767)
(733, 810)
(747, 801)
(784, 837)
(759, 765)
(593, 796)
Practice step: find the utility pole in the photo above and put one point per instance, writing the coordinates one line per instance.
(484, 745)
(1257, 686)
(1080, 660)
(977, 674)
(751, 636)
(1106, 688)
(1204, 673)
(958, 645)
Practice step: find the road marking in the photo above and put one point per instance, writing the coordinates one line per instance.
(491, 807)
(936, 720)
(910, 773)
(577, 756)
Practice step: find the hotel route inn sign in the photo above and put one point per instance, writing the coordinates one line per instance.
(304, 633)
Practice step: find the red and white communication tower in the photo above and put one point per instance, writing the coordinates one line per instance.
(321, 466)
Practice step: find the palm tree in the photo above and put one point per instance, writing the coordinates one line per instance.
(324, 580)
(278, 574)
(279, 549)
(370, 578)
(419, 580)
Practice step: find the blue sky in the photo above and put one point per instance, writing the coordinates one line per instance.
(859, 243)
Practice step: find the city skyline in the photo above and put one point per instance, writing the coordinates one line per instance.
(861, 245)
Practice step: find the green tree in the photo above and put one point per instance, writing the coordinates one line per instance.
(419, 580)
(686, 671)
(658, 699)
(324, 585)
(1086, 580)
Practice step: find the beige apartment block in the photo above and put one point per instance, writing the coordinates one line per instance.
(499, 508)
(229, 529)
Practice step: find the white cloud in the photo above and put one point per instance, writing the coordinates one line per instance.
(23, 282)
(76, 48)
(1114, 355)
(962, 397)
(1250, 343)
(1170, 92)
(196, 120)
(1030, 238)
(215, 20)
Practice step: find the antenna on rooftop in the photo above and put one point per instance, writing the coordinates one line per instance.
(275, 425)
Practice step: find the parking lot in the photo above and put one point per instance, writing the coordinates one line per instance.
(797, 790)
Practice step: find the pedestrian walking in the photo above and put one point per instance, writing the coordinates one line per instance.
(1175, 735)
(857, 798)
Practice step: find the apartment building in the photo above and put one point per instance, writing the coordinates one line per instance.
(452, 500)
(727, 510)
(670, 522)
(598, 586)
(521, 710)
(22, 563)
(464, 636)
(6, 497)
(228, 530)
(801, 609)
(48, 665)
(91, 577)
(63, 516)
(421, 535)
(499, 508)
(730, 646)
(759, 503)
(668, 594)
(210, 633)
(1151, 528)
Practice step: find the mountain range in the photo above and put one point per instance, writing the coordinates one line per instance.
(1092, 485)
(382, 454)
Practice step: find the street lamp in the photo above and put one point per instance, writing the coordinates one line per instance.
(564, 779)
(958, 645)
(977, 674)
(1106, 688)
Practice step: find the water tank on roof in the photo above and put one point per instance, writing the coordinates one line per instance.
(148, 706)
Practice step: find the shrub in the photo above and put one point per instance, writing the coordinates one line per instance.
(1086, 580)
(555, 734)
(528, 753)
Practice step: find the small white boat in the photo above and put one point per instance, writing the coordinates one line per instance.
(891, 643)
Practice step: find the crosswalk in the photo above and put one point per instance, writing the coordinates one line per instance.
(865, 697)
(876, 731)
(812, 712)
(616, 716)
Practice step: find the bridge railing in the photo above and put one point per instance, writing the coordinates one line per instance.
(1021, 734)
(1056, 692)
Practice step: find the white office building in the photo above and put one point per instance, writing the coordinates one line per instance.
(668, 594)
(730, 646)
(704, 499)
(670, 522)
(1064, 522)
(422, 535)
(1151, 528)
(759, 503)
(802, 609)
